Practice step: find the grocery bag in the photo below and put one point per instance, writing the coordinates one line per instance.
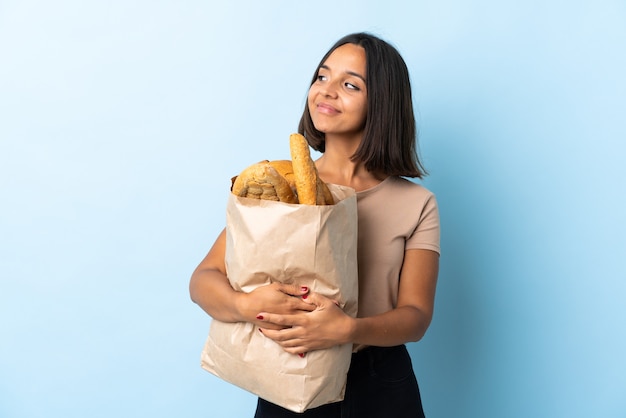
(314, 246)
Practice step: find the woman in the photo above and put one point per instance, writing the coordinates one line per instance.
(359, 115)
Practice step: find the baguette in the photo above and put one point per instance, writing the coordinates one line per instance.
(310, 188)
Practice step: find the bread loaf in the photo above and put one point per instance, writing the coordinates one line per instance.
(295, 181)
(285, 169)
(262, 181)
(310, 188)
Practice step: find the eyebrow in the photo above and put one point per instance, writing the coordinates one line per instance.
(324, 66)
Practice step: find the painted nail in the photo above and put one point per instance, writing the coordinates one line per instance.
(260, 317)
(301, 355)
(305, 296)
(304, 289)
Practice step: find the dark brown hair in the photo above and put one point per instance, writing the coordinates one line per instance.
(389, 143)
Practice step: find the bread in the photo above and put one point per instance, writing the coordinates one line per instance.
(324, 196)
(285, 169)
(303, 169)
(295, 181)
(262, 181)
(310, 188)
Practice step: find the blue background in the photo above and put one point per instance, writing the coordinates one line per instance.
(121, 123)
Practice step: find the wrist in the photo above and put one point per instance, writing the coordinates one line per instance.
(351, 329)
(240, 303)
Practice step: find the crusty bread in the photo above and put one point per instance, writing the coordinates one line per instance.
(295, 181)
(303, 169)
(262, 181)
(285, 169)
(323, 196)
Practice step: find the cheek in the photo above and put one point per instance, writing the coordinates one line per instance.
(310, 98)
(363, 111)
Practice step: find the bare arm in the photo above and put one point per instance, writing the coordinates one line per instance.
(210, 288)
(328, 325)
(416, 299)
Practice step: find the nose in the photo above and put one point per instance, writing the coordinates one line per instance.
(329, 89)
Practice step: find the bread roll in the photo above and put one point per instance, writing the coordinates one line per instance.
(262, 181)
(285, 169)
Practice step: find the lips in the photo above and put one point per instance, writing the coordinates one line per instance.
(326, 109)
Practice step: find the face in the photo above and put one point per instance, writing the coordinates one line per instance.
(338, 98)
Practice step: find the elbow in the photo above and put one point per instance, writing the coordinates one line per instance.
(417, 335)
(421, 323)
(193, 289)
(192, 296)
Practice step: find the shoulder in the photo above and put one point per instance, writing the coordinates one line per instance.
(408, 188)
(411, 198)
(398, 194)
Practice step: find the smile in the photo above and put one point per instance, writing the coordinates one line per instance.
(326, 109)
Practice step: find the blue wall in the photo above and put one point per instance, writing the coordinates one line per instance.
(122, 122)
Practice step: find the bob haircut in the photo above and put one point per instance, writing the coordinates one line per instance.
(389, 142)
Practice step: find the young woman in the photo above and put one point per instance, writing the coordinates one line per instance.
(359, 115)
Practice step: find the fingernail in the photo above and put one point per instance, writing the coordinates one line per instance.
(260, 330)
(259, 317)
(301, 355)
(304, 289)
(305, 296)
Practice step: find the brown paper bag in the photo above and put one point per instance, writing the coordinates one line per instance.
(314, 246)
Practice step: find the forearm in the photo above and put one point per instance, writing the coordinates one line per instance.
(412, 316)
(327, 325)
(401, 325)
(211, 290)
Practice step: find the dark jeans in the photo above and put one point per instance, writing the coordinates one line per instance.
(381, 384)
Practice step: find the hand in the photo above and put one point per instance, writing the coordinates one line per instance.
(325, 326)
(278, 298)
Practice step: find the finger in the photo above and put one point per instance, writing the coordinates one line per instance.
(309, 302)
(293, 347)
(276, 319)
(288, 340)
(320, 300)
(294, 289)
(277, 335)
(302, 303)
(284, 338)
(305, 305)
(268, 326)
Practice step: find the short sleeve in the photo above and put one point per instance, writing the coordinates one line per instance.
(427, 232)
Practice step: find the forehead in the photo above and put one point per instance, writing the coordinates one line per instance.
(347, 57)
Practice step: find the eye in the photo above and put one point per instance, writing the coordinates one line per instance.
(321, 77)
(351, 86)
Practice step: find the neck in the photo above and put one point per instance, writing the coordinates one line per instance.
(336, 167)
